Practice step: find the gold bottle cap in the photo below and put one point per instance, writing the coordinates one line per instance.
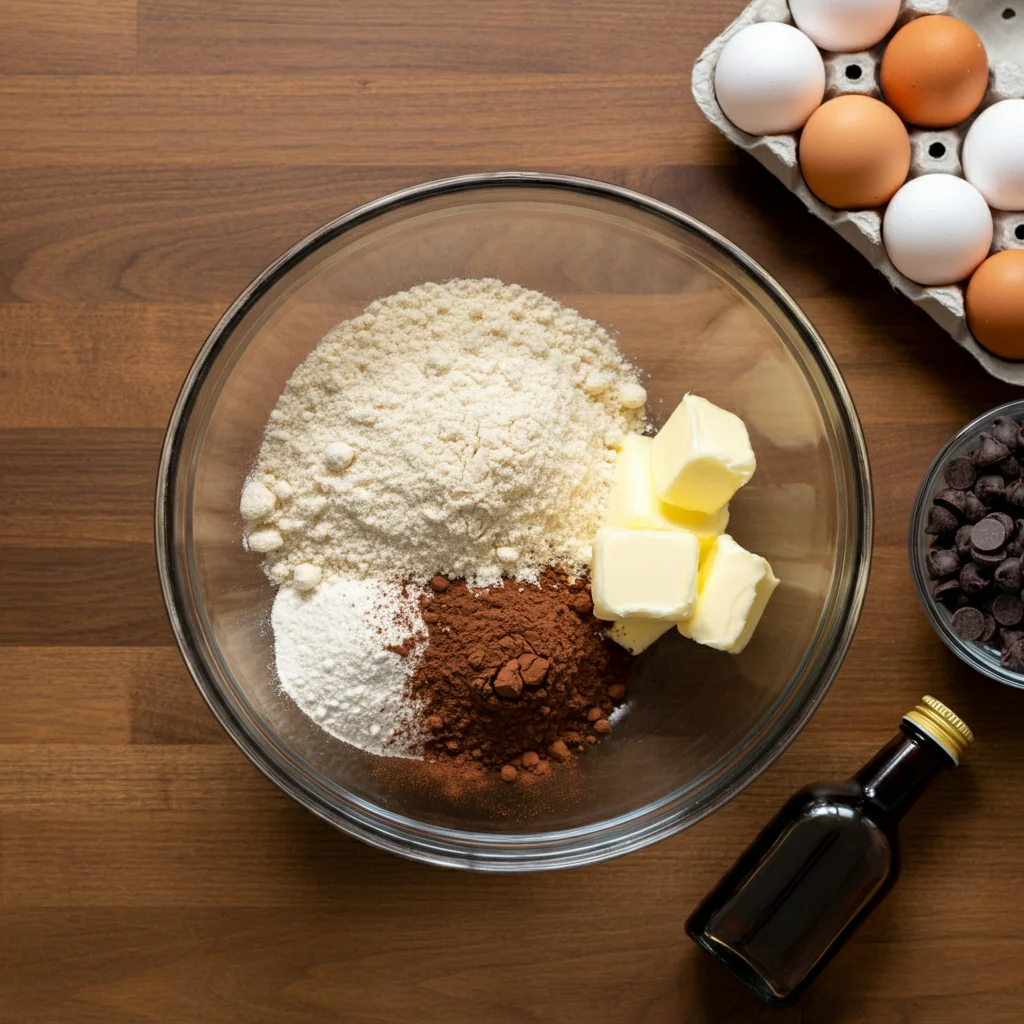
(947, 729)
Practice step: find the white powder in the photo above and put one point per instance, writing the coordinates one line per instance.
(467, 429)
(332, 660)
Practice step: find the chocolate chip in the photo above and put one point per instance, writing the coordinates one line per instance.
(952, 499)
(990, 629)
(972, 582)
(963, 541)
(948, 591)
(942, 562)
(1005, 520)
(968, 623)
(990, 488)
(988, 535)
(940, 521)
(1013, 657)
(988, 561)
(1009, 576)
(989, 450)
(1015, 545)
(960, 473)
(975, 508)
(1004, 430)
(1008, 637)
(1008, 609)
(1014, 494)
(1009, 469)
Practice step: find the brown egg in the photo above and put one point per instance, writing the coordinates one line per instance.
(854, 152)
(935, 71)
(995, 304)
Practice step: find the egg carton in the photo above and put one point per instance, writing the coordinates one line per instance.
(1001, 27)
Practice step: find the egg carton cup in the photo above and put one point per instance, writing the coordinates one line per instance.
(1001, 28)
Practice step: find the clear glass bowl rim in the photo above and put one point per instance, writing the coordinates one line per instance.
(614, 837)
(969, 652)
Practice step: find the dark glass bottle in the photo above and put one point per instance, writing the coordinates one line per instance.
(824, 862)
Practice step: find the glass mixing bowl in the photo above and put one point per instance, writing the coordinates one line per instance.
(694, 314)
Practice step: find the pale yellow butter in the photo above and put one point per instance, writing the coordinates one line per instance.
(645, 574)
(733, 589)
(636, 635)
(701, 456)
(633, 504)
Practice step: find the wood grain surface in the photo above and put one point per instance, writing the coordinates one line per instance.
(154, 156)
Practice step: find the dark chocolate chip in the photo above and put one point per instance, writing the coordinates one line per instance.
(988, 561)
(940, 521)
(968, 623)
(1015, 545)
(988, 535)
(990, 629)
(990, 488)
(942, 562)
(972, 582)
(1008, 637)
(1009, 576)
(1005, 431)
(1005, 520)
(1008, 609)
(1013, 657)
(963, 541)
(953, 500)
(1014, 494)
(975, 508)
(948, 591)
(960, 473)
(1009, 469)
(989, 450)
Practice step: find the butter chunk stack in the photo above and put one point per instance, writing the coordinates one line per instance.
(663, 557)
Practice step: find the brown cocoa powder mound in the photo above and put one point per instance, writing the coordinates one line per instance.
(512, 671)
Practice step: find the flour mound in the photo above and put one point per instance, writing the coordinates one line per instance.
(467, 429)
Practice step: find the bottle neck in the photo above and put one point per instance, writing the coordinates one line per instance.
(900, 772)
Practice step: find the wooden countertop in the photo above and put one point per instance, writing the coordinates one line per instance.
(154, 156)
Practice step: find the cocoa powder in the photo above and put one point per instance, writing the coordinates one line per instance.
(515, 676)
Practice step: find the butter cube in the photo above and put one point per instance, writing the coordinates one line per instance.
(637, 635)
(644, 574)
(633, 504)
(701, 457)
(733, 589)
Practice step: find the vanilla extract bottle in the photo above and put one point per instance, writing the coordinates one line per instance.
(824, 862)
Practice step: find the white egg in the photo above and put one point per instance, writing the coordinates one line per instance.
(770, 78)
(937, 229)
(845, 26)
(993, 155)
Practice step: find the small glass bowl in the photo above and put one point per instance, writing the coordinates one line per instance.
(980, 656)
